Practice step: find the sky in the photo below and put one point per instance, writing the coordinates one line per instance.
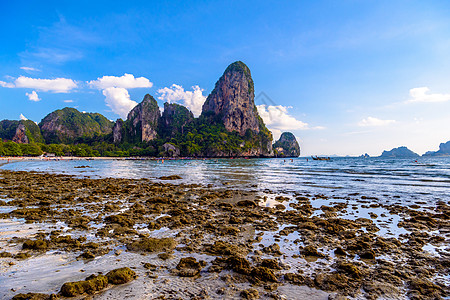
(346, 77)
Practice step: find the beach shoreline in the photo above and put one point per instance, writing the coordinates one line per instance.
(288, 247)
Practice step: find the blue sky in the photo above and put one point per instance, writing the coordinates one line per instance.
(347, 77)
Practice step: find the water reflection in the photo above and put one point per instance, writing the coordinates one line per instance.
(381, 178)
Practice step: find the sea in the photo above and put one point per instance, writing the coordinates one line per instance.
(384, 180)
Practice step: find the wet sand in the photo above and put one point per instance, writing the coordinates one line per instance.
(197, 242)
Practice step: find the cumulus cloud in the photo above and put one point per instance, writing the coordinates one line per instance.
(119, 101)
(23, 118)
(374, 122)
(421, 94)
(29, 69)
(277, 117)
(127, 81)
(116, 93)
(57, 85)
(33, 96)
(68, 101)
(193, 100)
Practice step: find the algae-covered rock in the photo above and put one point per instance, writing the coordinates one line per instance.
(152, 245)
(170, 177)
(5, 254)
(91, 285)
(350, 269)
(35, 245)
(250, 294)
(120, 219)
(424, 288)
(87, 255)
(311, 251)
(121, 275)
(238, 265)
(35, 296)
(263, 274)
(22, 255)
(189, 267)
(224, 248)
(271, 264)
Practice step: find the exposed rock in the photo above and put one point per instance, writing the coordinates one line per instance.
(250, 294)
(174, 119)
(171, 150)
(89, 286)
(20, 137)
(22, 132)
(121, 275)
(232, 100)
(35, 296)
(287, 146)
(118, 131)
(189, 267)
(143, 120)
(400, 152)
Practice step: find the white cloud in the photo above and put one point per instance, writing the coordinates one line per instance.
(119, 101)
(276, 117)
(23, 118)
(57, 85)
(374, 122)
(127, 81)
(421, 94)
(6, 84)
(68, 101)
(28, 69)
(193, 100)
(33, 96)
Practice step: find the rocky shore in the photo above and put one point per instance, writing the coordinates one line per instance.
(63, 236)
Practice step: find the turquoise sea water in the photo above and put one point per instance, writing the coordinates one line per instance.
(389, 180)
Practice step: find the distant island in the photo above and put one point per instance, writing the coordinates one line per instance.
(229, 126)
(444, 150)
(400, 152)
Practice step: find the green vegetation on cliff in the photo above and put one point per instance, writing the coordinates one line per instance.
(68, 125)
(8, 130)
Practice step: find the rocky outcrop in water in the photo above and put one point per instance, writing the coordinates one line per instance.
(143, 120)
(287, 146)
(232, 100)
(400, 152)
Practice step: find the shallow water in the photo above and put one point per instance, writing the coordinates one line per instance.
(427, 180)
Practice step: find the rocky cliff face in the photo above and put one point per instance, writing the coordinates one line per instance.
(118, 131)
(232, 100)
(232, 104)
(143, 120)
(68, 124)
(20, 137)
(22, 132)
(287, 146)
(174, 119)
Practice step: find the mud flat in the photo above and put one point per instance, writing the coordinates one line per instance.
(68, 237)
